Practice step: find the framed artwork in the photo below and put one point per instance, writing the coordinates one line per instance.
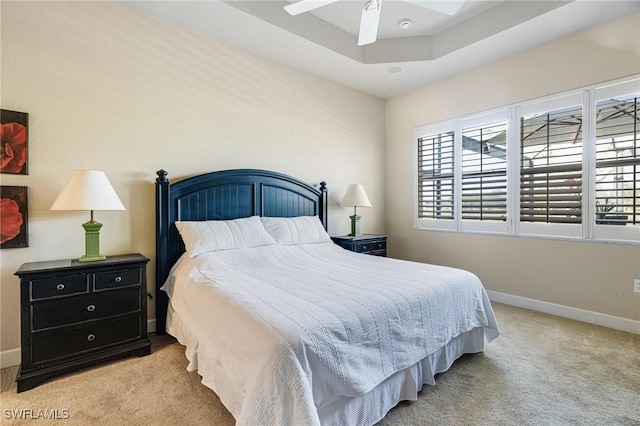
(13, 217)
(13, 142)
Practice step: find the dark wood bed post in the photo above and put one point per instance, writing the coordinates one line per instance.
(162, 255)
(322, 210)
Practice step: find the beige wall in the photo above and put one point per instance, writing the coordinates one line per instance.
(593, 276)
(106, 88)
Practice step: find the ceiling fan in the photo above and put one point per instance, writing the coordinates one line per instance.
(371, 13)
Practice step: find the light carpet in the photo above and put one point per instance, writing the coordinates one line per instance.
(541, 370)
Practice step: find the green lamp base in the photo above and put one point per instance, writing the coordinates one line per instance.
(92, 242)
(355, 226)
(91, 258)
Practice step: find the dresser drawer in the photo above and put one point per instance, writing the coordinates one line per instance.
(63, 343)
(115, 279)
(77, 309)
(64, 285)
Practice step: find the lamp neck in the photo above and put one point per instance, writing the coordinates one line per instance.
(91, 216)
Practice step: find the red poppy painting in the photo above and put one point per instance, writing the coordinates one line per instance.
(13, 142)
(13, 217)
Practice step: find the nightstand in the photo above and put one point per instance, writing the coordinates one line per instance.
(75, 314)
(366, 243)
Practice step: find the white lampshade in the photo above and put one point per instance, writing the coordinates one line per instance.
(88, 190)
(356, 197)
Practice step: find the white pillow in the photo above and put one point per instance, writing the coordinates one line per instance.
(296, 230)
(213, 235)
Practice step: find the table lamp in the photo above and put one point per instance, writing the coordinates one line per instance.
(355, 197)
(89, 190)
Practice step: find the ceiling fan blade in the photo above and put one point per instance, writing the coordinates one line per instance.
(448, 7)
(369, 23)
(306, 5)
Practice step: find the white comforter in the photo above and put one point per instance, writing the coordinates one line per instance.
(295, 327)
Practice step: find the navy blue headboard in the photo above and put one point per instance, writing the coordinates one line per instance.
(223, 195)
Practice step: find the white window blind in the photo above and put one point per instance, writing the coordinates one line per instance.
(484, 172)
(436, 176)
(551, 167)
(563, 166)
(618, 161)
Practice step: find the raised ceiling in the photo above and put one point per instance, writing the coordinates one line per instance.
(324, 41)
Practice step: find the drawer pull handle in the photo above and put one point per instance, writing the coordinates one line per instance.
(91, 337)
(118, 279)
(91, 308)
(60, 287)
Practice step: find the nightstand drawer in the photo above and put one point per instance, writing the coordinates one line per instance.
(65, 285)
(116, 279)
(74, 310)
(49, 346)
(366, 244)
(362, 247)
(379, 245)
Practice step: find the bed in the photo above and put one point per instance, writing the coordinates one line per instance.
(287, 327)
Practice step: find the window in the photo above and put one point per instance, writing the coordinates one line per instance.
(435, 176)
(484, 172)
(617, 191)
(551, 167)
(563, 166)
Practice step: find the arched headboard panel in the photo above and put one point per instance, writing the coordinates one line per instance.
(223, 195)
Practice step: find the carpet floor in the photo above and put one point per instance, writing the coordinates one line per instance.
(541, 370)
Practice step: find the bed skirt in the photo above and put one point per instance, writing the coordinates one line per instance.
(366, 409)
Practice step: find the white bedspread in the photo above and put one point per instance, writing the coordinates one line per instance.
(296, 327)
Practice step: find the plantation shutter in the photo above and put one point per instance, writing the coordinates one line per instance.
(484, 172)
(435, 176)
(618, 161)
(551, 167)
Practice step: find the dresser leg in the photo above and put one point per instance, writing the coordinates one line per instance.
(31, 379)
(26, 383)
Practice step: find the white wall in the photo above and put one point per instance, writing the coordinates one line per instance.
(106, 88)
(588, 276)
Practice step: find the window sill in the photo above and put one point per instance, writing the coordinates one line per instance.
(536, 237)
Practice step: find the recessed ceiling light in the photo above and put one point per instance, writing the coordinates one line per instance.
(405, 23)
(395, 70)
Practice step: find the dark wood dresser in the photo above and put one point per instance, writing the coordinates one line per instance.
(76, 314)
(366, 243)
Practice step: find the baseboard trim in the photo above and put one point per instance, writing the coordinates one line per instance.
(610, 321)
(151, 326)
(11, 357)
